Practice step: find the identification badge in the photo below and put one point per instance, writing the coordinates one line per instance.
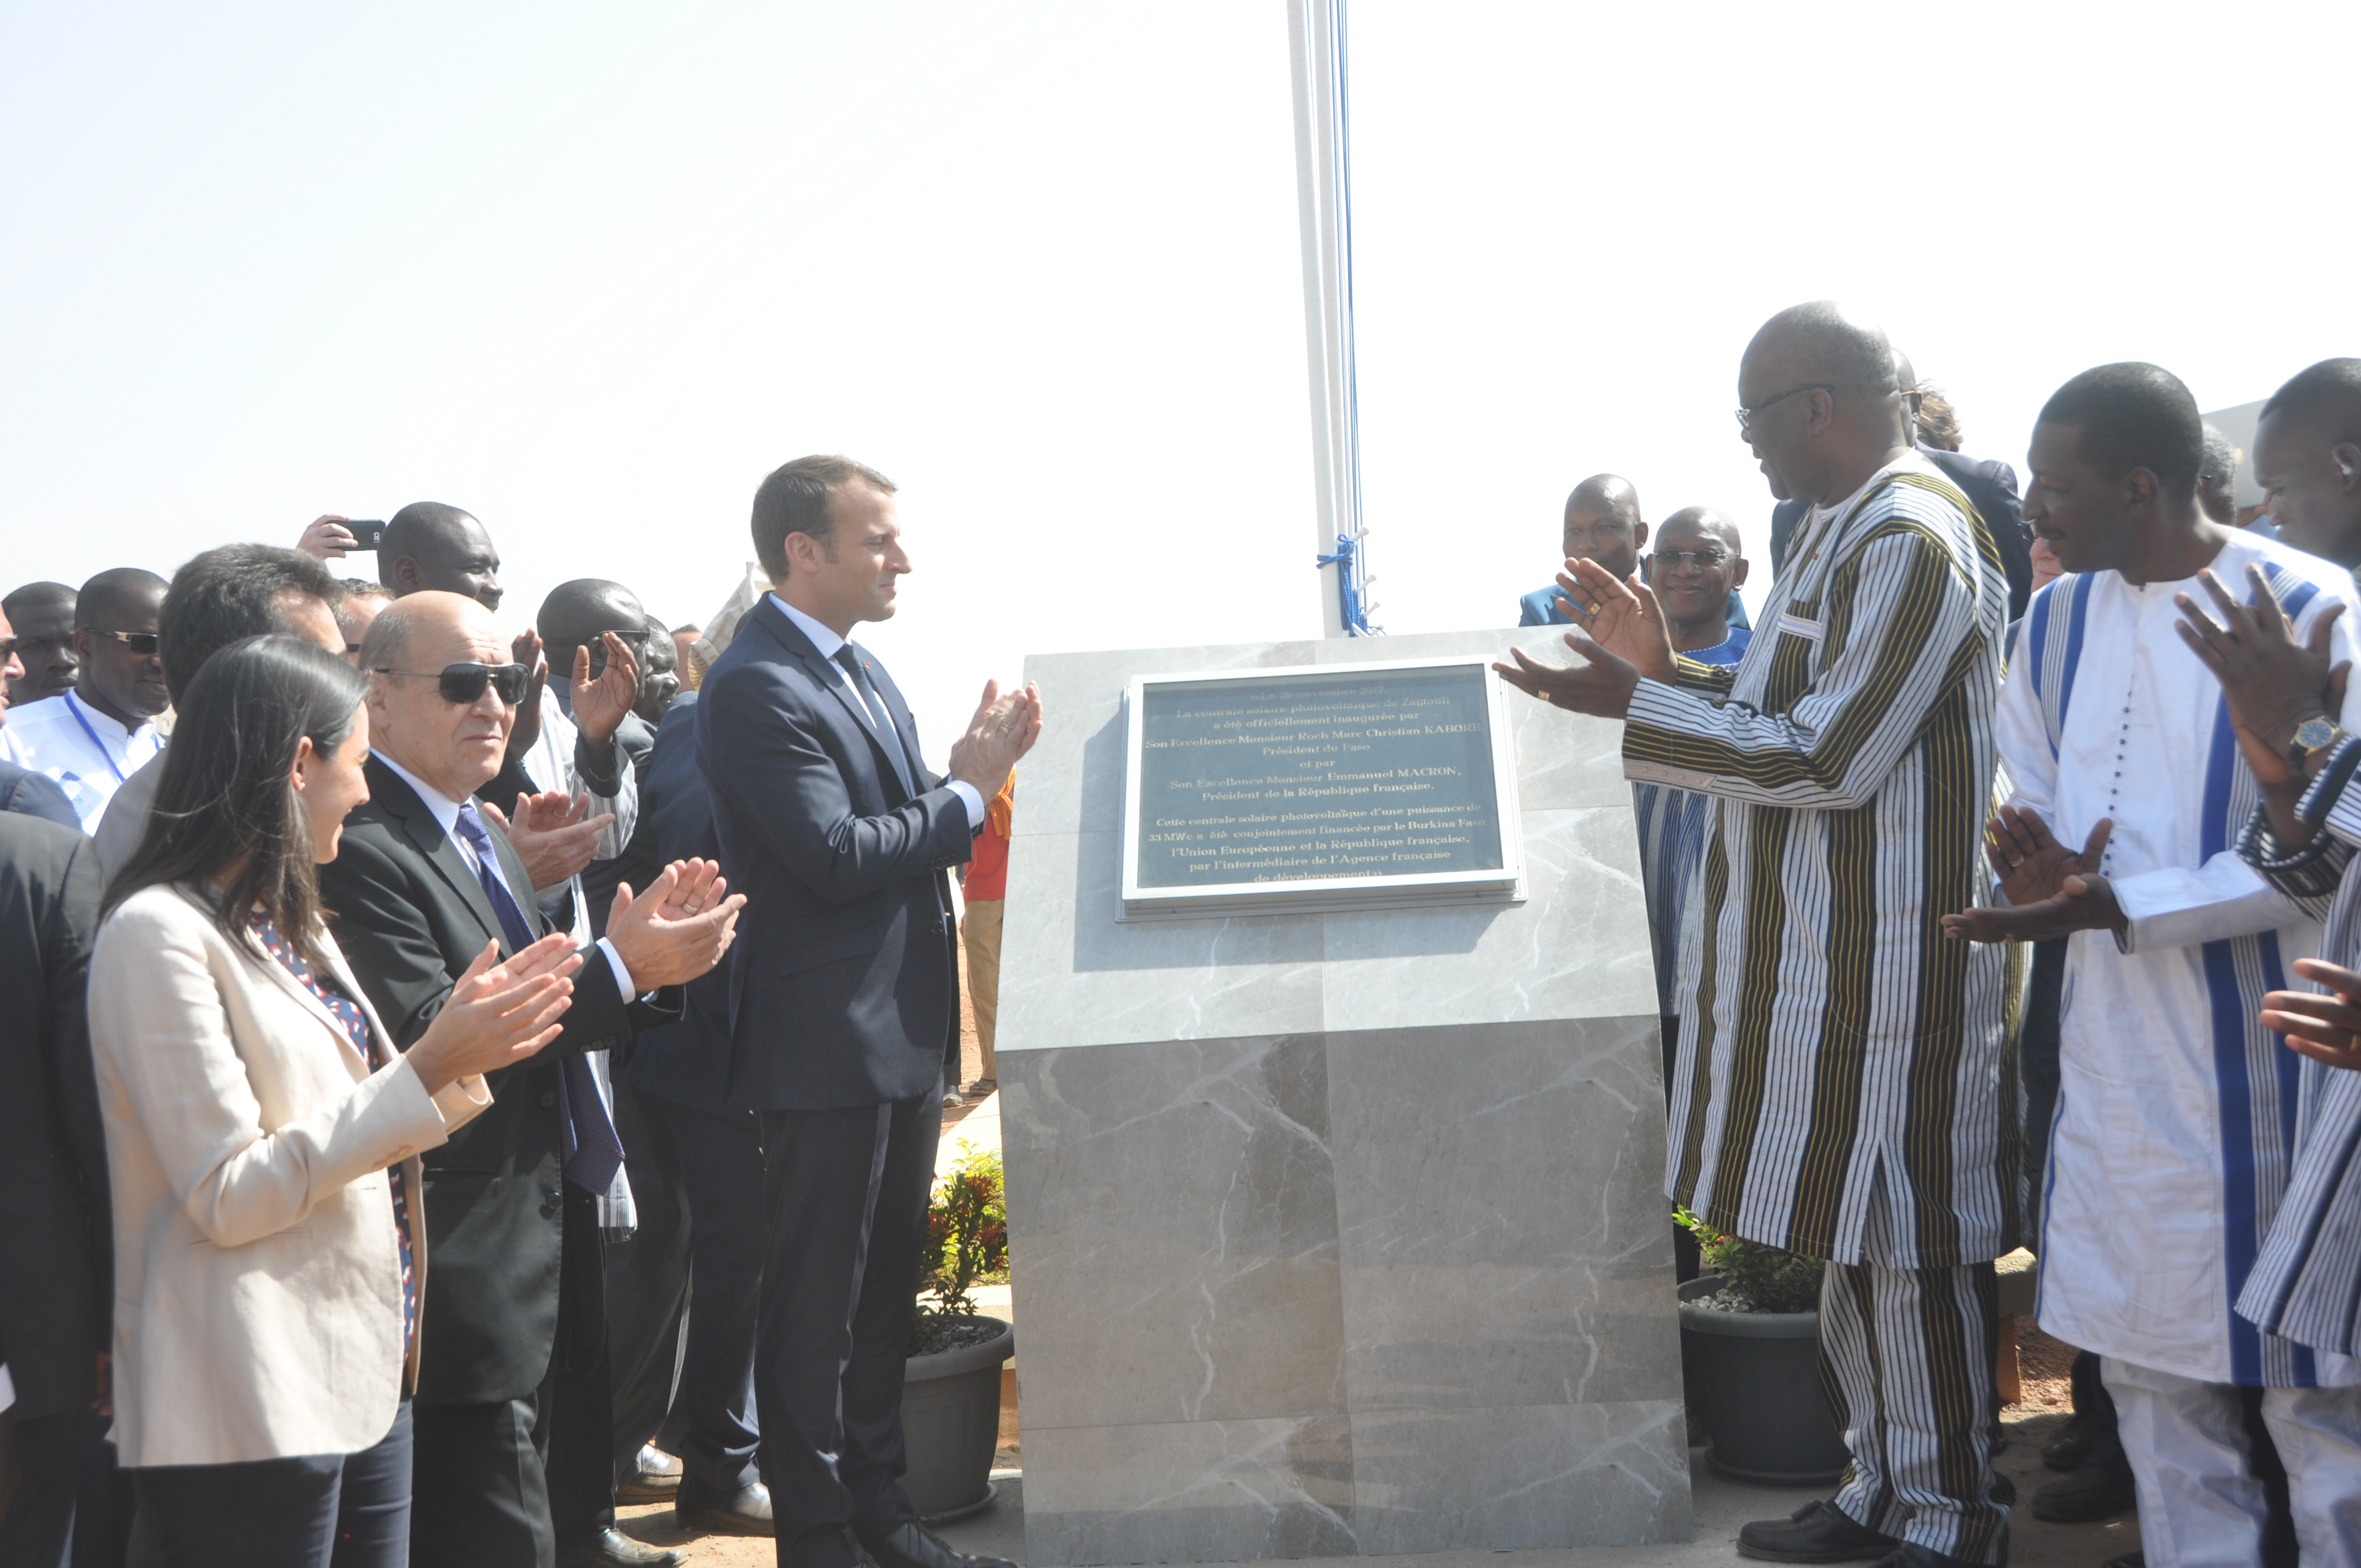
(1797, 625)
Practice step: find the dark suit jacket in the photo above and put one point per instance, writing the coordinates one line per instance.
(411, 917)
(36, 795)
(688, 1062)
(56, 1242)
(845, 982)
(1990, 489)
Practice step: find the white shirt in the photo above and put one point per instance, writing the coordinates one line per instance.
(826, 640)
(85, 752)
(2143, 1222)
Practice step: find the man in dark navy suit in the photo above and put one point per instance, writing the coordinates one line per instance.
(1990, 486)
(843, 994)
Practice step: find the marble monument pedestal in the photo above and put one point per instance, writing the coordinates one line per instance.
(1335, 1233)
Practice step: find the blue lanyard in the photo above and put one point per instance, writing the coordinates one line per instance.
(74, 707)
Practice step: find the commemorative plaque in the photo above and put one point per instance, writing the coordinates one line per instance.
(1319, 786)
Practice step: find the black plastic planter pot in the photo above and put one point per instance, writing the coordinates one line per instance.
(1755, 1379)
(950, 1426)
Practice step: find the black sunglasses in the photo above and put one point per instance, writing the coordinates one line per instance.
(143, 643)
(462, 685)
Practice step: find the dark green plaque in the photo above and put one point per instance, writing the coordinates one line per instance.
(1360, 774)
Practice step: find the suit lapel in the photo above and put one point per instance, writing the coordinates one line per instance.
(905, 727)
(828, 676)
(286, 981)
(400, 802)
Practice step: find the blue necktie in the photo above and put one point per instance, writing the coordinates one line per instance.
(881, 723)
(593, 1151)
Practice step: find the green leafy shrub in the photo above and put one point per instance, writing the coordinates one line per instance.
(1767, 1279)
(965, 1245)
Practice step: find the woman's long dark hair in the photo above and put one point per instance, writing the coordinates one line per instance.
(227, 819)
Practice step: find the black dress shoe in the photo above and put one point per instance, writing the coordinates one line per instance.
(2093, 1492)
(913, 1545)
(2071, 1448)
(613, 1549)
(641, 1487)
(1817, 1532)
(746, 1511)
(1912, 1555)
(2128, 1560)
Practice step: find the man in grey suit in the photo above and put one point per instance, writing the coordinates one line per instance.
(843, 992)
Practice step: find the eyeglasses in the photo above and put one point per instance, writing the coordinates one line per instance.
(1746, 416)
(462, 685)
(143, 643)
(8, 646)
(1690, 560)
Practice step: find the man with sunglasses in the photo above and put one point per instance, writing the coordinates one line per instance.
(514, 1338)
(93, 738)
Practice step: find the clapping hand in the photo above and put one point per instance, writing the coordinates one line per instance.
(600, 701)
(2325, 1028)
(499, 1013)
(678, 928)
(2271, 683)
(2052, 890)
(1622, 616)
(552, 834)
(1002, 732)
(525, 649)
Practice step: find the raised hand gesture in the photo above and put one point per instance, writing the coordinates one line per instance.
(1622, 616)
(525, 649)
(600, 701)
(552, 834)
(2271, 683)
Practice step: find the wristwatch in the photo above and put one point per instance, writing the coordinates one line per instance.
(2314, 739)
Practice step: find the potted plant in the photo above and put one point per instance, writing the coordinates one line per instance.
(1750, 1351)
(950, 1388)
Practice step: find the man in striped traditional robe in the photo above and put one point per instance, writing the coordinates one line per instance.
(1839, 1088)
(2170, 1142)
(2282, 693)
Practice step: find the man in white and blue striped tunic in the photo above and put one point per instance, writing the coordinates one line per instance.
(1839, 1085)
(2170, 1144)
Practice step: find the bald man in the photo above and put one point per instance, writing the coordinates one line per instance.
(1602, 524)
(1837, 1092)
(429, 545)
(2306, 459)
(513, 1339)
(1988, 484)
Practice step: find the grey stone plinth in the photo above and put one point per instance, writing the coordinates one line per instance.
(1336, 1233)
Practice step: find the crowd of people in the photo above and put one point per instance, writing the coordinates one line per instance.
(403, 1011)
(386, 1053)
(2103, 728)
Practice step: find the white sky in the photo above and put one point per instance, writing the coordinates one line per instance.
(590, 271)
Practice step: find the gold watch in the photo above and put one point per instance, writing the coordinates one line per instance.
(2315, 738)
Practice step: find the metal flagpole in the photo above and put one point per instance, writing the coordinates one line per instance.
(1323, 185)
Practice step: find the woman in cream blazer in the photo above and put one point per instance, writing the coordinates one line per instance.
(262, 1135)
